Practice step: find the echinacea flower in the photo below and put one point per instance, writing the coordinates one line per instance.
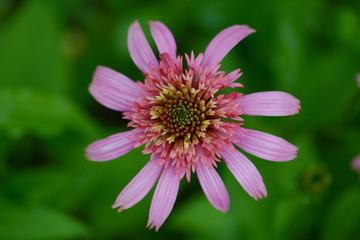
(185, 124)
(355, 164)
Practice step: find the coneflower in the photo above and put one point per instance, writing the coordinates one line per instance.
(184, 123)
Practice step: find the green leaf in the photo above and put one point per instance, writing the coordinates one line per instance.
(39, 223)
(292, 218)
(27, 223)
(31, 51)
(25, 110)
(343, 221)
(46, 185)
(35, 75)
(198, 217)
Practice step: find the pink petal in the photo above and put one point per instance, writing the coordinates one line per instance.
(213, 187)
(266, 146)
(193, 62)
(139, 48)
(139, 186)
(246, 173)
(164, 39)
(269, 104)
(223, 42)
(112, 89)
(356, 163)
(164, 198)
(358, 79)
(111, 147)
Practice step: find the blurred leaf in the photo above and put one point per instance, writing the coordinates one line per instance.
(201, 220)
(343, 220)
(352, 140)
(288, 55)
(4, 7)
(27, 110)
(30, 50)
(41, 113)
(296, 170)
(292, 218)
(4, 146)
(347, 23)
(35, 75)
(45, 186)
(37, 223)
(332, 91)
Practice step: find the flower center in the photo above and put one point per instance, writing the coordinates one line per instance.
(183, 116)
(181, 113)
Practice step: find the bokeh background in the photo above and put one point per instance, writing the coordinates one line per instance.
(48, 53)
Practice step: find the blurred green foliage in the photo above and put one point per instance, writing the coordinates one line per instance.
(48, 52)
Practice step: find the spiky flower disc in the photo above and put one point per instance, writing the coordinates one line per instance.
(180, 114)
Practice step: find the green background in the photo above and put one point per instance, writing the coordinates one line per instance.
(48, 53)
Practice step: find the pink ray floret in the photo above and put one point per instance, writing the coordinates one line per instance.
(186, 125)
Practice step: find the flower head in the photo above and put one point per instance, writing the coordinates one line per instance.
(184, 123)
(355, 164)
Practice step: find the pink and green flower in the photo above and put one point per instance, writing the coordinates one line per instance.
(186, 125)
(355, 164)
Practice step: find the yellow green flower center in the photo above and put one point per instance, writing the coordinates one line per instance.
(183, 116)
(181, 113)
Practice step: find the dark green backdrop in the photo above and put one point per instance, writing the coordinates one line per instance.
(48, 52)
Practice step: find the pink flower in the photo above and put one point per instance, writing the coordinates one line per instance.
(185, 123)
(355, 164)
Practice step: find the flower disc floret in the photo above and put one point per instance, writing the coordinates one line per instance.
(180, 114)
